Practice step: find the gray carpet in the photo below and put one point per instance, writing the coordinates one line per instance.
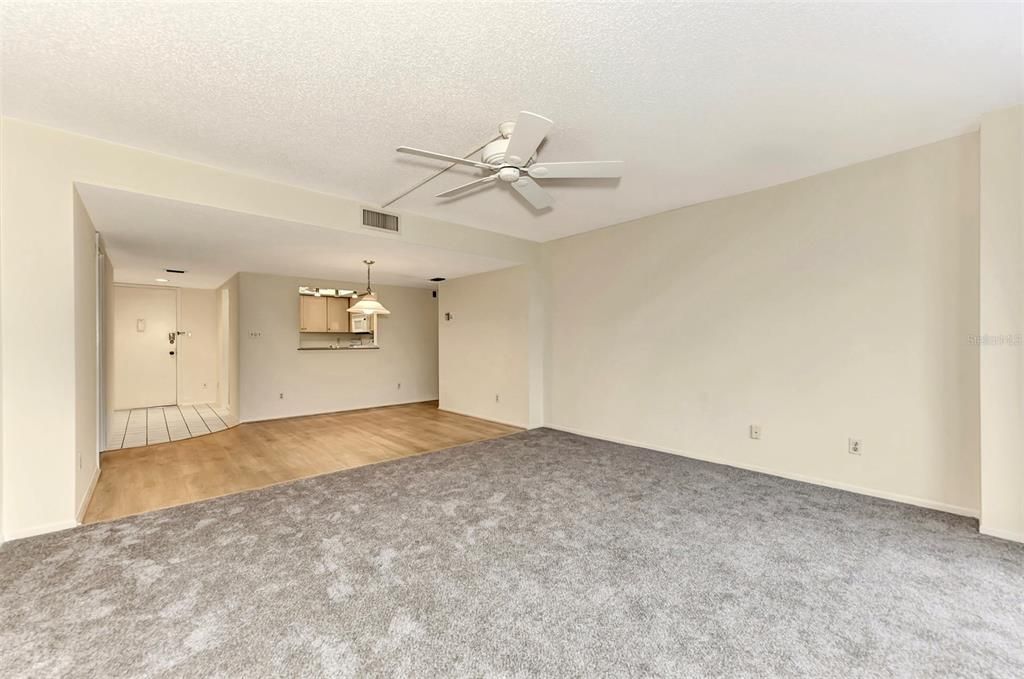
(539, 554)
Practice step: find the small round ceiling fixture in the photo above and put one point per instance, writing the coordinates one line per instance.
(508, 174)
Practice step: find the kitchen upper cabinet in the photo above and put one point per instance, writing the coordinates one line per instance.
(330, 314)
(313, 313)
(337, 314)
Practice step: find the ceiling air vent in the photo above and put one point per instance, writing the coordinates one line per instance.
(380, 220)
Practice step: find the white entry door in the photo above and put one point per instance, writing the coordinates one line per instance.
(145, 356)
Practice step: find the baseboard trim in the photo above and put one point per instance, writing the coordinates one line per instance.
(39, 530)
(860, 490)
(1013, 536)
(88, 496)
(485, 419)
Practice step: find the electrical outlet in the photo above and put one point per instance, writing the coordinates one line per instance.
(281, 396)
(855, 446)
(399, 386)
(497, 398)
(755, 431)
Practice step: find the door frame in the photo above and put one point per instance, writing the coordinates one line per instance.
(224, 348)
(102, 388)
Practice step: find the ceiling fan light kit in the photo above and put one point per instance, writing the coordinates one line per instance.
(512, 159)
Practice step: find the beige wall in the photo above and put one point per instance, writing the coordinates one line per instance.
(327, 381)
(484, 351)
(3, 213)
(832, 307)
(1002, 316)
(38, 236)
(197, 349)
(85, 353)
(38, 391)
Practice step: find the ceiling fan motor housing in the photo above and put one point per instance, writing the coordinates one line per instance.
(494, 153)
(508, 159)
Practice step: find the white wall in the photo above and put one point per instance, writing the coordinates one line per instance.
(832, 307)
(328, 381)
(484, 351)
(86, 383)
(198, 316)
(38, 393)
(1002, 318)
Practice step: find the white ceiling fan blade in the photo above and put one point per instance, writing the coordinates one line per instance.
(527, 135)
(531, 191)
(468, 185)
(587, 169)
(442, 156)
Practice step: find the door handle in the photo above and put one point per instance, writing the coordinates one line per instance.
(171, 353)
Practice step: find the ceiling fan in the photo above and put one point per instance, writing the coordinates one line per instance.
(511, 159)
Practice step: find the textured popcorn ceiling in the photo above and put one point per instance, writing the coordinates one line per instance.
(701, 101)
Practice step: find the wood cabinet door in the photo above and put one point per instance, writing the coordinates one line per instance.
(312, 313)
(337, 314)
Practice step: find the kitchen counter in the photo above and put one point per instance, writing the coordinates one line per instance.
(338, 348)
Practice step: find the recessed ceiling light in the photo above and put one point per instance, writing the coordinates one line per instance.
(161, 280)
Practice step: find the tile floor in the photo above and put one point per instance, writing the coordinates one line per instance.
(146, 426)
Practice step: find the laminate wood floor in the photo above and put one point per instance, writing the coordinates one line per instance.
(260, 454)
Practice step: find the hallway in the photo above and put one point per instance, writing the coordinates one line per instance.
(147, 426)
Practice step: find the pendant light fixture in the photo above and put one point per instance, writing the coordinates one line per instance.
(368, 303)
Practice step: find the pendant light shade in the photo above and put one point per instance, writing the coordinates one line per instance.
(368, 303)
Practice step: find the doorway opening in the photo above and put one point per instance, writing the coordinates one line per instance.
(165, 365)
